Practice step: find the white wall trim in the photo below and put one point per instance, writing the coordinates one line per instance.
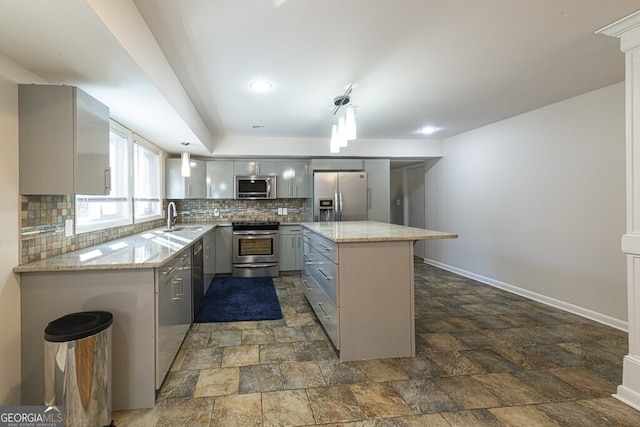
(630, 382)
(562, 305)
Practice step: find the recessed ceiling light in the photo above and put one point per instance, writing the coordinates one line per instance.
(260, 85)
(427, 130)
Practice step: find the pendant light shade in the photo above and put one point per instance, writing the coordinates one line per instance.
(342, 132)
(334, 146)
(350, 124)
(186, 169)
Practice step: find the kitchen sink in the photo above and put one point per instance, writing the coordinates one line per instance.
(185, 228)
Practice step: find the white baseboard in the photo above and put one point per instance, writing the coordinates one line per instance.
(562, 305)
(629, 391)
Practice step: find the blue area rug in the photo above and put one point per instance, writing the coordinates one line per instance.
(232, 299)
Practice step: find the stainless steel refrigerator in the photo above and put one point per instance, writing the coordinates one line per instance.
(339, 196)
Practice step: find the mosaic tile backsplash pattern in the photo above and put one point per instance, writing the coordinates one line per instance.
(43, 218)
(42, 228)
(205, 210)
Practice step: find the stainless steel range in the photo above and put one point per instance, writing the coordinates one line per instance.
(255, 249)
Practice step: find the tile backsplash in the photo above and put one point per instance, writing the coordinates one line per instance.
(205, 210)
(43, 221)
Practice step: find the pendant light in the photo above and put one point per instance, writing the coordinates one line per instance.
(186, 167)
(345, 130)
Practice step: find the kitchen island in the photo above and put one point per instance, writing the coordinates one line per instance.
(358, 278)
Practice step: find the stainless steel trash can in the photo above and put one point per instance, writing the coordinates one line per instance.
(77, 367)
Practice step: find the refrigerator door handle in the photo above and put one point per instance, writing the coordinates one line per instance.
(340, 195)
(336, 207)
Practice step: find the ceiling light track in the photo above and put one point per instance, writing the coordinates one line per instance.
(340, 101)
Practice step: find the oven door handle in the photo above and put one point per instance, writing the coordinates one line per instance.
(256, 265)
(255, 233)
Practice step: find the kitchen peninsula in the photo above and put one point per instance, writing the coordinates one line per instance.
(358, 278)
(144, 280)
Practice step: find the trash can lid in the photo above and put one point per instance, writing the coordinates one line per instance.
(76, 326)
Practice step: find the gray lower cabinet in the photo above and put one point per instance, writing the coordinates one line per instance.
(209, 247)
(290, 248)
(362, 293)
(151, 316)
(321, 283)
(173, 297)
(223, 250)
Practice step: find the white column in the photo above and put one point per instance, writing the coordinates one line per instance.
(628, 30)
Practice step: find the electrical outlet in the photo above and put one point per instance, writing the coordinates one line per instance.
(284, 211)
(216, 212)
(279, 211)
(68, 228)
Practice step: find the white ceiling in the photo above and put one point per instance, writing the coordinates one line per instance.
(179, 70)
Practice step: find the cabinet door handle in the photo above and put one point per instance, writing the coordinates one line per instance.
(107, 181)
(170, 271)
(324, 275)
(306, 285)
(175, 290)
(324, 313)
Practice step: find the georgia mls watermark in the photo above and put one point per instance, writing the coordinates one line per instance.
(31, 416)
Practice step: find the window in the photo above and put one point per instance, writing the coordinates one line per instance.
(147, 204)
(135, 185)
(100, 212)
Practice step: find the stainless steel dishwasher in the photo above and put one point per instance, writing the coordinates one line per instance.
(197, 278)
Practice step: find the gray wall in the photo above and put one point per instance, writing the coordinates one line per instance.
(539, 203)
(9, 249)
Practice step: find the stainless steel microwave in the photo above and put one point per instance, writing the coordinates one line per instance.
(255, 187)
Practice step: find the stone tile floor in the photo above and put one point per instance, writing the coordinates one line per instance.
(485, 357)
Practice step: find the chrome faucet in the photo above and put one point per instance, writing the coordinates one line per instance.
(171, 221)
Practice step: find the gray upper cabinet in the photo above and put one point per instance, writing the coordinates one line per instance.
(220, 180)
(378, 189)
(64, 141)
(255, 167)
(293, 180)
(336, 164)
(179, 187)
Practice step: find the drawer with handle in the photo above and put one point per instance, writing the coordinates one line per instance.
(321, 244)
(327, 313)
(325, 275)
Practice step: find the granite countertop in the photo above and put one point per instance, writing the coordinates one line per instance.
(149, 249)
(373, 231)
